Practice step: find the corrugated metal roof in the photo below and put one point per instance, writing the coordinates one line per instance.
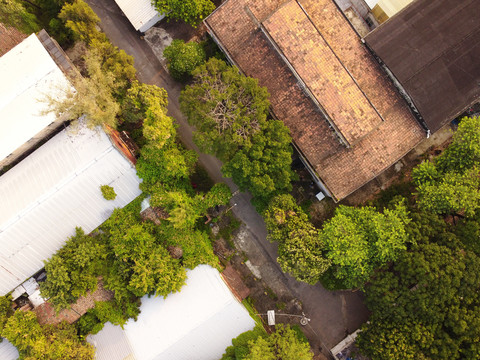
(141, 13)
(197, 323)
(54, 190)
(433, 49)
(111, 344)
(28, 73)
(8, 351)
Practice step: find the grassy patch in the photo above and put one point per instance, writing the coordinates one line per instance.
(248, 303)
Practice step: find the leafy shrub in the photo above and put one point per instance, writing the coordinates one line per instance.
(108, 192)
(73, 270)
(183, 58)
(190, 11)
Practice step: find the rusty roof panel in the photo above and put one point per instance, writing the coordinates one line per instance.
(433, 49)
(321, 70)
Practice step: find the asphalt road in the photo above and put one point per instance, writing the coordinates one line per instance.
(333, 314)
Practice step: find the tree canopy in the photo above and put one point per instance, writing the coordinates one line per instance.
(283, 344)
(425, 306)
(450, 184)
(53, 342)
(190, 11)
(73, 270)
(230, 112)
(226, 108)
(183, 58)
(300, 248)
(13, 13)
(358, 240)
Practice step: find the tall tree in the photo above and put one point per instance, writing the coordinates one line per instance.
(358, 240)
(300, 248)
(92, 97)
(81, 20)
(226, 108)
(73, 270)
(451, 184)
(229, 112)
(426, 306)
(263, 165)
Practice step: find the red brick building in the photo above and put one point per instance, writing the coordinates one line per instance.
(346, 118)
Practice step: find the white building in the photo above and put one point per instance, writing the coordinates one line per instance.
(8, 351)
(199, 322)
(28, 73)
(52, 191)
(141, 13)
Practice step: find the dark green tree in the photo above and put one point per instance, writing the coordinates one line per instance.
(263, 165)
(183, 58)
(190, 11)
(426, 305)
(226, 108)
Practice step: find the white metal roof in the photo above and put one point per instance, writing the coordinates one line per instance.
(197, 323)
(8, 351)
(141, 13)
(54, 190)
(27, 74)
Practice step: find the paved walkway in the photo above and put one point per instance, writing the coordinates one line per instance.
(333, 314)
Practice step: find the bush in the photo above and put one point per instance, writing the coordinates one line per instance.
(183, 58)
(108, 192)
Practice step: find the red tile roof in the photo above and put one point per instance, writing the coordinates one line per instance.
(281, 43)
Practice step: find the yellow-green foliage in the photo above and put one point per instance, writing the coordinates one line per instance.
(108, 192)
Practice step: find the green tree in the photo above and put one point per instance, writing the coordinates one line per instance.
(13, 13)
(73, 270)
(92, 97)
(139, 260)
(116, 62)
(108, 192)
(450, 183)
(283, 344)
(426, 304)
(183, 58)
(358, 240)
(81, 20)
(169, 167)
(229, 112)
(148, 104)
(139, 98)
(300, 248)
(263, 165)
(184, 209)
(190, 11)
(53, 342)
(226, 108)
(6, 311)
